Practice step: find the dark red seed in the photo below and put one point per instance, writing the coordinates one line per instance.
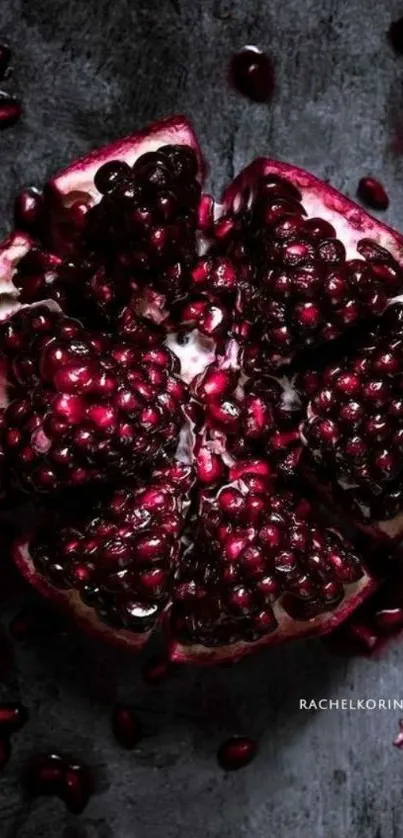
(12, 717)
(126, 726)
(76, 788)
(155, 669)
(44, 775)
(28, 209)
(371, 192)
(252, 74)
(111, 175)
(10, 109)
(236, 752)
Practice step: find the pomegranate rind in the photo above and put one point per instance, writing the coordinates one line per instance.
(12, 250)
(77, 180)
(288, 629)
(71, 605)
(351, 222)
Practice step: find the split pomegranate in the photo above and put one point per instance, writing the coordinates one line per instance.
(162, 393)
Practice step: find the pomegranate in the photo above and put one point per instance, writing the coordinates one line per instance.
(164, 407)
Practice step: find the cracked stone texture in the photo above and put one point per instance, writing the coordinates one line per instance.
(89, 72)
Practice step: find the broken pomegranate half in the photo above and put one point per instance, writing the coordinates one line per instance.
(153, 346)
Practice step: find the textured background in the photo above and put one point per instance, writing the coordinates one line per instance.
(90, 71)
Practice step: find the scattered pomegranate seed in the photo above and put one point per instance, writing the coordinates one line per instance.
(28, 209)
(10, 109)
(395, 35)
(44, 775)
(252, 74)
(371, 192)
(76, 788)
(126, 726)
(155, 669)
(236, 752)
(12, 717)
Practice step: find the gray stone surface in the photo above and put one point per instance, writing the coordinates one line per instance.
(90, 71)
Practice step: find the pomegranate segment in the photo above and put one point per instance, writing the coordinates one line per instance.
(314, 262)
(83, 407)
(119, 555)
(260, 564)
(354, 425)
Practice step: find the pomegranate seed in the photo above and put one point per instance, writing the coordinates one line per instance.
(371, 192)
(10, 109)
(28, 209)
(111, 175)
(252, 74)
(12, 717)
(236, 752)
(76, 788)
(44, 775)
(126, 726)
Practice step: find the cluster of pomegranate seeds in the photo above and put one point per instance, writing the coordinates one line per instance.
(305, 290)
(82, 405)
(126, 726)
(257, 547)
(58, 776)
(121, 552)
(252, 74)
(236, 752)
(257, 417)
(355, 425)
(372, 193)
(140, 236)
